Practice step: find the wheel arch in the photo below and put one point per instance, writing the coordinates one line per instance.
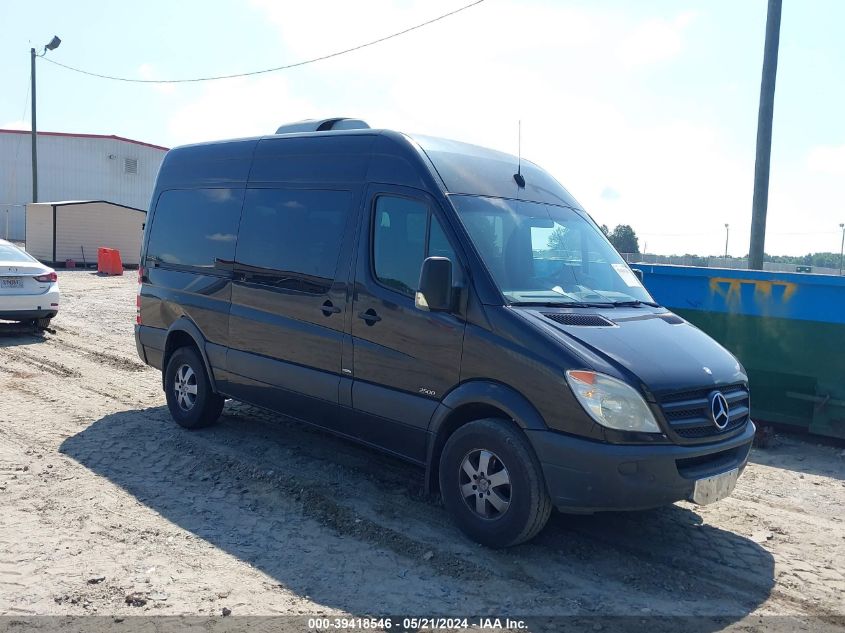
(184, 332)
(475, 400)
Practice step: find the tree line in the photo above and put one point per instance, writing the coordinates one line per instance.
(625, 240)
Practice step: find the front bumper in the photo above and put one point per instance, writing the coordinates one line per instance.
(26, 307)
(585, 476)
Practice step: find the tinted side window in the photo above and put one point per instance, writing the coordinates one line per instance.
(439, 246)
(291, 238)
(400, 244)
(196, 227)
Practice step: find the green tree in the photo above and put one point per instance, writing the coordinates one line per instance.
(624, 239)
(826, 260)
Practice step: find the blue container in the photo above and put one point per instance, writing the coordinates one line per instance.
(787, 329)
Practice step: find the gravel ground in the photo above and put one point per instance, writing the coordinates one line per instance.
(109, 508)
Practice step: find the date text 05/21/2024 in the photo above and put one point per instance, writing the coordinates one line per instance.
(413, 624)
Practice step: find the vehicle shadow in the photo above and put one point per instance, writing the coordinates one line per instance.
(12, 334)
(290, 500)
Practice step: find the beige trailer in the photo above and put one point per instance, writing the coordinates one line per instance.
(59, 231)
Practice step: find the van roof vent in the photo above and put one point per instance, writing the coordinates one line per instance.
(323, 125)
(579, 320)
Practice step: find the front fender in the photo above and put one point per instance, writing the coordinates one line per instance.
(480, 393)
(490, 393)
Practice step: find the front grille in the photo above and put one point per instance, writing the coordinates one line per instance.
(688, 412)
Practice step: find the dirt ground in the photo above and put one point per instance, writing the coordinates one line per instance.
(107, 507)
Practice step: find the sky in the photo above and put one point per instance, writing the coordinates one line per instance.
(645, 111)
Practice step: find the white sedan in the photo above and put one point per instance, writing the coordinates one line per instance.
(29, 290)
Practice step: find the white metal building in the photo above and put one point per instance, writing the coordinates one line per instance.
(73, 167)
(75, 229)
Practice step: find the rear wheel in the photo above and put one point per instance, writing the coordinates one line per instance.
(492, 484)
(43, 324)
(191, 401)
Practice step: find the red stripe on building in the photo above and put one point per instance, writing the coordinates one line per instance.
(108, 136)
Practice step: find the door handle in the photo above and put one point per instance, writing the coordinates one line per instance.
(329, 308)
(370, 317)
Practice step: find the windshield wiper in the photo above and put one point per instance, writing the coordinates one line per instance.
(635, 302)
(561, 304)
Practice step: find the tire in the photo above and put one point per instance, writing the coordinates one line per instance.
(196, 406)
(43, 324)
(507, 513)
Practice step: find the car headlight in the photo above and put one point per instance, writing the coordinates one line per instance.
(611, 402)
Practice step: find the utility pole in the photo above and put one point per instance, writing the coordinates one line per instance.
(764, 136)
(34, 130)
(727, 233)
(51, 46)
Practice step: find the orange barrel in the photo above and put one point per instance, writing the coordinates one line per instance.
(102, 259)
(115, 265)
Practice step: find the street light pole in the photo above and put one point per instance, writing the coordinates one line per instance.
(727, 233)
(841, 248)
(53, 44)
(34, 129)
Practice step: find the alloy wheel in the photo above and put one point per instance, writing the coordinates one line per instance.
(185, 387)
(485, 484)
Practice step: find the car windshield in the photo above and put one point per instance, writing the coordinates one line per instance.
(11, 253)
(546, 254)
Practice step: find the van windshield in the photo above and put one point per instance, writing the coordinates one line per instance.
(545, 254)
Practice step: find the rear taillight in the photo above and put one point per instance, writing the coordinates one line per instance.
(47, 278)
(138, 296)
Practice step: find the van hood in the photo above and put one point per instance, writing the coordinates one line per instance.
(648, 346)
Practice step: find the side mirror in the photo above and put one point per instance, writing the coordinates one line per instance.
(638, 273)
(435, 288)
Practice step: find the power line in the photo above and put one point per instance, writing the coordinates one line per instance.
(14, 183)
(266, 70)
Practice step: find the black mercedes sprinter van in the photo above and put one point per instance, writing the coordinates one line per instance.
(443, 303)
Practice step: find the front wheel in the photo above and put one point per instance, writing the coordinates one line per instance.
(191, 401)
(492, 484)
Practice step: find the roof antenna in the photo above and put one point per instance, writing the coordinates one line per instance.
(520, 181)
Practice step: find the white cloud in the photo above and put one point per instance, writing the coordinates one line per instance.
(565, 72)
(19, 124)
(490, 67)
(494, 31)
(240, 107)
(654, 40)
(827, 160)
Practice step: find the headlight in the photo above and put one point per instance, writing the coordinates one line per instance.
(611, 402)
